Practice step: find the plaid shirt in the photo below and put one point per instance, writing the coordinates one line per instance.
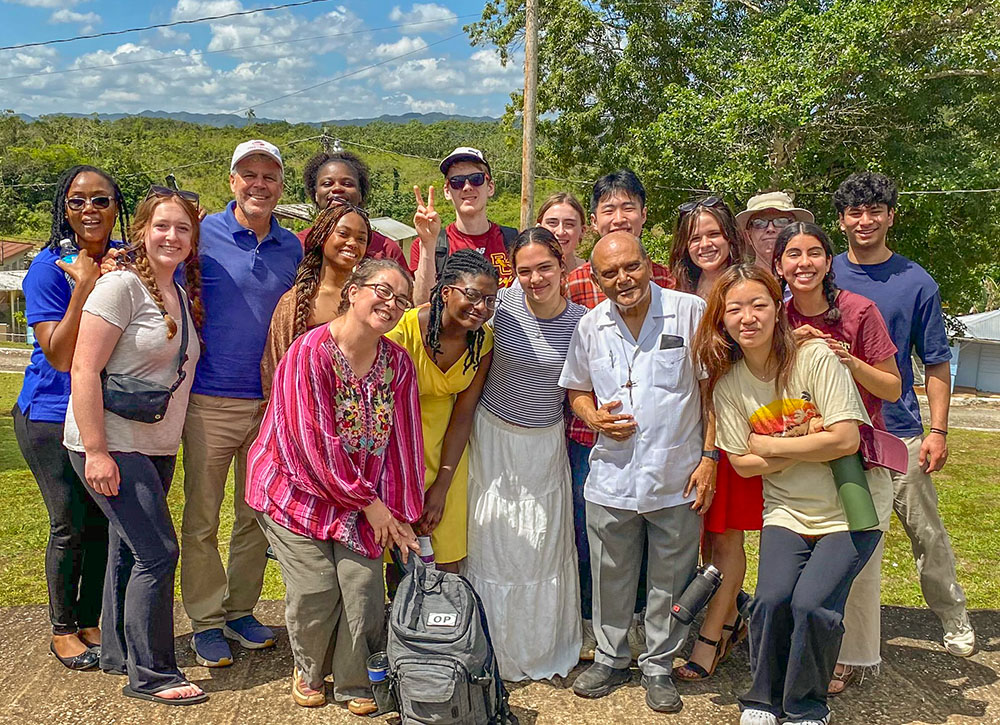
(580, 288)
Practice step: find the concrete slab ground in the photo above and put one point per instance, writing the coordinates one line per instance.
(919, 683)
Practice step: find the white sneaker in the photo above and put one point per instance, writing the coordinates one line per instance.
(589, 645)
(824, 721)
(757, 717)
(959, 639)
(637, 638)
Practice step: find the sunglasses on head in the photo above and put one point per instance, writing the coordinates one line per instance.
(78, 203)
(348, 205)
(457, 182)
(689, 206)
(164, 192)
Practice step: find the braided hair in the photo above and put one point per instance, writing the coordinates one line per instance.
(311, 266)
(830, 289)
(461, 263)
(139, 260)
(310, 173)
(61, 228)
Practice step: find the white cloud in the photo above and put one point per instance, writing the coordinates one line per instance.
(424, 13)
(424, 73)
(86, 20)
(407, 103)
(400, 47)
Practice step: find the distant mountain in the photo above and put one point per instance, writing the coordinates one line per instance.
(220, 120)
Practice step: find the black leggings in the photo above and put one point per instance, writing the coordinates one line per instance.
(77, 550)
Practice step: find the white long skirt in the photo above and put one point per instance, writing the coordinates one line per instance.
(522, 559)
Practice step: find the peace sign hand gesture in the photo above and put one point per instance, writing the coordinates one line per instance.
(426, 220)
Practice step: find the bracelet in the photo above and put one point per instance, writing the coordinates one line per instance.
(938, 430)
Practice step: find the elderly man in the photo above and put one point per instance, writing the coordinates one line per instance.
(247, 263)
(653, 466)
(764, 218)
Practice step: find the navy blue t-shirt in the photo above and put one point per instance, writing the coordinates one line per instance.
(242, 279)
(909, 300)
(47, 291)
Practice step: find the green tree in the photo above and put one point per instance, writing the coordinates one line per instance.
(740, 96)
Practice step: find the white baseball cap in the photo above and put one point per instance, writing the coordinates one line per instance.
(465, 153)
(256, 146)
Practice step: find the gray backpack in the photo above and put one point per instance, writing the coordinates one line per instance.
(440, 654)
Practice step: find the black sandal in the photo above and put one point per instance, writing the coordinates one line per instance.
(700, 673)
(738, 632)
(152, 697)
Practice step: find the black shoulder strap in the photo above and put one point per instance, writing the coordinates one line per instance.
(440, 252)
(509, 233)
(182, 356)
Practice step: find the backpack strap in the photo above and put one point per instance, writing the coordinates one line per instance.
(182, 356)
(440, 252)
(509, 234)
(502, 705)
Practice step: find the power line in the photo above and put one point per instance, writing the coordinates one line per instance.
(348, 74)
(200, 53)
(164, 25)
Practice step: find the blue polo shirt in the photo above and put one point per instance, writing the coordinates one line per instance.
(909, 300)
(242, 279)
(47, 291)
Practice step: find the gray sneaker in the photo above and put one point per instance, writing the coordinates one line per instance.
(959, 639)
(589, 645)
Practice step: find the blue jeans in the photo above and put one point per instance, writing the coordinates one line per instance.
(579, 466)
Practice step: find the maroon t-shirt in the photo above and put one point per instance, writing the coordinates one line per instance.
(380, 247)
(860, 326)
(490, 245)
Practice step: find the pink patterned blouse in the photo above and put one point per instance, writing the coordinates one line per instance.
(330, 443)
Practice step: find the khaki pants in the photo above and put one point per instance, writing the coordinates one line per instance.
(915, 503)
(216, 431)
(863, 616)
(334, 609)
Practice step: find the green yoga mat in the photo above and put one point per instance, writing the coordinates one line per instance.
(852, 487)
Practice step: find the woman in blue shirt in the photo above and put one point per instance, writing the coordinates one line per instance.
(86, 206)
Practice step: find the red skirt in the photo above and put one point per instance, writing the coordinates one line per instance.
(738, 502)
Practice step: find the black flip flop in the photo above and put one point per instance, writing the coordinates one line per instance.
(193, 700)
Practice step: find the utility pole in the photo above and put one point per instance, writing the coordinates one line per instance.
(529, 115)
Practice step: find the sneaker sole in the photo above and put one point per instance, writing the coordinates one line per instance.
(604, 691)
(230, 633)
(224, 662)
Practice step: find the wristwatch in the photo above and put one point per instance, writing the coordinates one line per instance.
(713, 454)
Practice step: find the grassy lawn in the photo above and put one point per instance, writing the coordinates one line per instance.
(969, 501)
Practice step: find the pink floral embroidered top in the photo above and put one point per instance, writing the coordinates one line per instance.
(330, 443)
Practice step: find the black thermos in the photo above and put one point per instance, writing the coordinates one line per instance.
(697, 595)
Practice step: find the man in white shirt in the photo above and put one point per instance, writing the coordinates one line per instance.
(650, 473)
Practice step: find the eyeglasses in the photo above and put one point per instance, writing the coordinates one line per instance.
(384, 292)
(779, 223)
(689, 206)
(474, 296)
(351, 207)
(458, 182)
(77, 203)
(164, 192)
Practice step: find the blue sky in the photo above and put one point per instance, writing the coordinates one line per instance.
(226, 66)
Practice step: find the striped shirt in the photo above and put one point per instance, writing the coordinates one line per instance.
(528, 355)
(331, 443)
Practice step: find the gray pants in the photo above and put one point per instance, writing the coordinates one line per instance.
(334, 609)
(616, 540)
(915, 503)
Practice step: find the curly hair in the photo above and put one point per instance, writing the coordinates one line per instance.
(830, 289)
(462, 263)
(61, 228)
(865, 188)
(311, 267)
(364, 272)
(138, 260)
(685, 271)
(310, 173)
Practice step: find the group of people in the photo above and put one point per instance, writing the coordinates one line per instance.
(573, 436)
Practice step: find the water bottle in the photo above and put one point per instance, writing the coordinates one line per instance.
(698, 593)
(378, 675)
(426, 551)
(68, 251)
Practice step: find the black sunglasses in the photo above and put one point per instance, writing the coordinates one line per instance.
(77, 203)
(689, 206)
(457, 182)
(164, 192)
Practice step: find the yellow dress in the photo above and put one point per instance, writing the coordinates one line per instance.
(438, 390)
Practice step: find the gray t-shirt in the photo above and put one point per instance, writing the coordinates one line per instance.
(143, 351)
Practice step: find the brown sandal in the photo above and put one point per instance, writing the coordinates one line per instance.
(691, 671)
(846, 678)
